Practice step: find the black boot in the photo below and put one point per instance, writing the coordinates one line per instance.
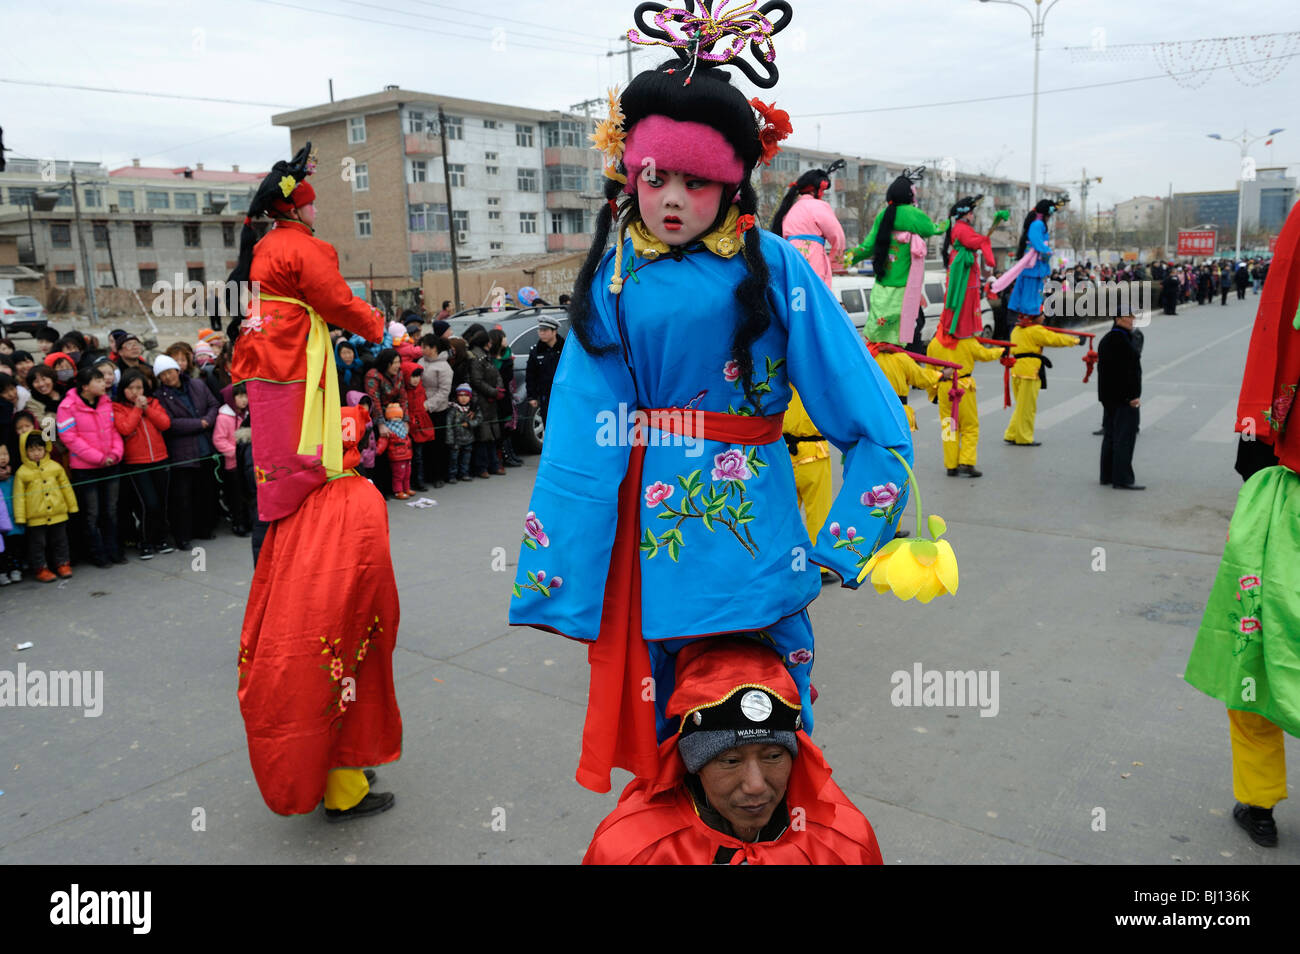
(969, 470)
(1258, 823)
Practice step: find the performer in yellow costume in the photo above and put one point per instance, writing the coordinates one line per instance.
(1029, 374)
(960, 449)
(903, 375)
(811, 456)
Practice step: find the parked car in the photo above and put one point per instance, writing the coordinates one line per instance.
(854, 292)
(22, 313)
(520, 326)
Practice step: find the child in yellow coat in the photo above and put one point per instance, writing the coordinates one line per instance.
(43, 498)
(1028, 374)
(960, 449)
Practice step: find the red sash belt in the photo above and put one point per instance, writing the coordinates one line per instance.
(620, 727)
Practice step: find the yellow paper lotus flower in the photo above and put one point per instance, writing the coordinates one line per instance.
(921, 568)
(287, 185)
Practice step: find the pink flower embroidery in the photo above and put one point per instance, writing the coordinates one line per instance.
(556, 582)
(880, 496)
(835, 529)
(1249, 582)
(731, 371)
(533, 527)
(1249, 624)
(336, 669)
(731, 465)
(657, 493)
(800, 656)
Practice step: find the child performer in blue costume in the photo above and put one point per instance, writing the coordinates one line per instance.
(664, 509)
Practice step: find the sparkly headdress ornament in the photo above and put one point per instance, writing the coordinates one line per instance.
(692, 35)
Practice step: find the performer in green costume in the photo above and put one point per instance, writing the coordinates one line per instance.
(896, 247)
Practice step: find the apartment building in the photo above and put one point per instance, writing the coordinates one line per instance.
(140, 224)
(517, 182)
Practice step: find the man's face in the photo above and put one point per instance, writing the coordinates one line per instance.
(546, 336)
(1126, 322)
(677, 208)
(746, 784)
(131, 349)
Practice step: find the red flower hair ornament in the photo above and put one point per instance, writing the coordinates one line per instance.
(774, 126)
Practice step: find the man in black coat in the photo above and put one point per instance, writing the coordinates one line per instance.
(1119, 388)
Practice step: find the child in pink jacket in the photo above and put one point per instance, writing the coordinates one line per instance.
(232, 425)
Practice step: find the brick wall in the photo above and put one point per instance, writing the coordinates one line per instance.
(337, 202)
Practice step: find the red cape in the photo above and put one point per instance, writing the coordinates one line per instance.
(655, 822)
(1268, 387)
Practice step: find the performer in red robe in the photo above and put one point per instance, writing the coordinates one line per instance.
(315, 655)
(961, 307)
(740, 782)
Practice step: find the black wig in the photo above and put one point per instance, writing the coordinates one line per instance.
(900, 192)
(710, 99)
(813, 182)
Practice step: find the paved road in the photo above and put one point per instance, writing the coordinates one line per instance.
(1092, 711)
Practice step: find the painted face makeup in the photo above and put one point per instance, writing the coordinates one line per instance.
(678, 208)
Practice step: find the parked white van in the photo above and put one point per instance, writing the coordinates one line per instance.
(853, 289)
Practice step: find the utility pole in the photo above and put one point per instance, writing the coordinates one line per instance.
(625, 52)
(451, 218)
(1169, 209)
(85, 252)
(1083, 219)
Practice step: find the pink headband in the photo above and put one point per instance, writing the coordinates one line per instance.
(675, 146)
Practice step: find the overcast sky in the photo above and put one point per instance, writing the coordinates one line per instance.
(838, 56)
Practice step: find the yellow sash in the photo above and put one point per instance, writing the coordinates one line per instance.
(322, 417)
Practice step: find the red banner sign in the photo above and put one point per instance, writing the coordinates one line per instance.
(1196, 243)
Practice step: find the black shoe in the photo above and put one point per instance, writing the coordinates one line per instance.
(952, 471)
(1258, 823)
(166, 548)
(1030, 444)
(419, 488)
(439, 484)
(970, 471)
(373, 804)
(184, 545)
(1007, 440)
(146, 553)
(1130, 487)
(370, 776)
(1099, 432)
(900, 534)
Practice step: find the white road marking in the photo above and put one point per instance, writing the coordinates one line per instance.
(1218, 429)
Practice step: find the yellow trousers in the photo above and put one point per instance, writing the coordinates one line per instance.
(1258, 759)
(968, 425)
(1024, 392)
(813, 482)
(344, 788)
(911, 415)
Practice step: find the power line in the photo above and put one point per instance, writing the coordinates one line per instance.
(425, 16)
(540, 26)
(141, 92)
(1044, 92)
(407, 26)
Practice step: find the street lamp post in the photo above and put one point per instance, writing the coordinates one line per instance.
(1037, 16)
(1246, 140)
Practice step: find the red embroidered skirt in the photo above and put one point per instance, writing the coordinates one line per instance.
(315, 653)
